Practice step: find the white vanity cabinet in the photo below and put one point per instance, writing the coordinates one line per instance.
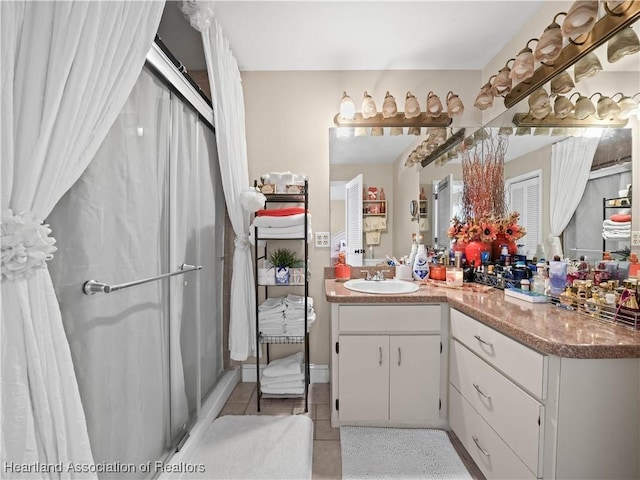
(387, 365)
(523, 414)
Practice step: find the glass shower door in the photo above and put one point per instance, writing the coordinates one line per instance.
(149, 202)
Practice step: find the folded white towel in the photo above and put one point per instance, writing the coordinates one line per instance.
(281, 221)
(275, 233)
(283, 391)
(292, 384)
(611, 223)
(293, 300)
(271, 302)
(284, 366)
(296, 377)
(607, 235)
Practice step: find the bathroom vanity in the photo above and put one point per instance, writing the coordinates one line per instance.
(390, 373)
(531, 391)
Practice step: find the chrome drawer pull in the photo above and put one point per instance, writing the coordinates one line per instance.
(484, 452)
(380, 358)
(477, 337)
(481, 392)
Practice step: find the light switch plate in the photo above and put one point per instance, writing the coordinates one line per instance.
(635, 238)
(322, 239)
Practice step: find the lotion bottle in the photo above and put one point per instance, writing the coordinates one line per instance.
(421, 264)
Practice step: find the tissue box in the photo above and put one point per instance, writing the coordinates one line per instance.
(296, 276)
(266, 276)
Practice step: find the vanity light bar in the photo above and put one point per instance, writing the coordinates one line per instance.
(399, 120)
(602, 31)
(552, 120)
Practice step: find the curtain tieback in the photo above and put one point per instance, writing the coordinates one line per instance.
(199, 13)
(26, 245)
(242, 242)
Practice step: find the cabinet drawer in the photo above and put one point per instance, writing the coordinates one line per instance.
(389, 318)
(491, 454)
(510, 411)
(524, 365)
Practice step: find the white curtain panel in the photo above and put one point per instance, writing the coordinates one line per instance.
(228, 109)
(571, 161)
(67, 69)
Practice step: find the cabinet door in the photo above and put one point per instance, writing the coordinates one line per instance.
(414, 379)
(363, 377)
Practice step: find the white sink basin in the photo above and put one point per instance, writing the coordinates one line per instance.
(387, 287)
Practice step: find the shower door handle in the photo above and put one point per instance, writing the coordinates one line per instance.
(91, 287)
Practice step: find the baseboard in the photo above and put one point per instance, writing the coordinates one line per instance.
(318, 373)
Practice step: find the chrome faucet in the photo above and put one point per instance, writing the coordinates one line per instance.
(378, 276)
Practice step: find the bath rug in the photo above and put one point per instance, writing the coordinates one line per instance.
(255, 447)
(399, 453)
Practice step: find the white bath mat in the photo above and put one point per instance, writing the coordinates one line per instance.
(256, 447)
(399, 453)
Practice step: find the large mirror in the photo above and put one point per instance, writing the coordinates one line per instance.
(380, 161)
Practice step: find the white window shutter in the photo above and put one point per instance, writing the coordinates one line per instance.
(524, 196)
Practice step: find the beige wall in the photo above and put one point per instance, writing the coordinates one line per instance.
(288, 116)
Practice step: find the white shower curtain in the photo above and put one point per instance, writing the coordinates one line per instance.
(571, 161)
(228, 109)
(67, 69)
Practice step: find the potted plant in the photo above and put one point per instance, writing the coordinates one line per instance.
(282, 260)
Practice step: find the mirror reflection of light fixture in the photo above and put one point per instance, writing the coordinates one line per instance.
(413, 131)
(369, 109)
(588, 66)
(523, 66)
(377, 131)
(583, 106)
(628, 106)
(484, 99)
(521, 120)
(434, 105)
(562, 106)
(541, 131)
(347, 107)
(606, 107)
(360, 132)
(550, 44)
(439, 152)
(389, 107)
(539, 104)
(522, 131)
(562, 83)
(395, 131)
(580, 19)
(411, 106)
(455, 108)
(625, 42)
(502, 84)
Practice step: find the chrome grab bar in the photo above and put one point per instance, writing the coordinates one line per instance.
(91, 287)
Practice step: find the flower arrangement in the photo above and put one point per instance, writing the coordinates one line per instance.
(486, 228)
(484, 216)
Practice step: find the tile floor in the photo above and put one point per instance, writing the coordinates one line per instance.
(327, 462)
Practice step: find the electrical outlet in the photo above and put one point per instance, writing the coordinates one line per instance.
(322, 239)
(635, 238)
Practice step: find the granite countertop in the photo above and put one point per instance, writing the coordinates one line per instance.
(544, 327)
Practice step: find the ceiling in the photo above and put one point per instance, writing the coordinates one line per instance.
(354, 35)
(363, 35)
